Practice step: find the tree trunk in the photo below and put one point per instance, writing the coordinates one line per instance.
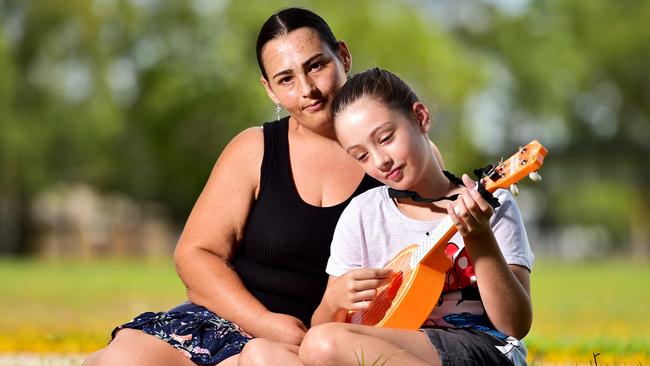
(640, 224)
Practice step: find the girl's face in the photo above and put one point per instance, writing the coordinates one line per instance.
(390, 146)
(304, 75)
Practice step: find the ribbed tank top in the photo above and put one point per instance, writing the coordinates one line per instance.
(286, 241)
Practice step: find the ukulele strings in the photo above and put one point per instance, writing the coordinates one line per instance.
(404, 266)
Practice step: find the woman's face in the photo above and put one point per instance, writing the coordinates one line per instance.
(388, 145)
(304, 75)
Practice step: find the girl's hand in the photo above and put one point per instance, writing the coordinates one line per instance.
(355, 289)
(470, 212)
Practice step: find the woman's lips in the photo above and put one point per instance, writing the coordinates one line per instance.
(316, 106)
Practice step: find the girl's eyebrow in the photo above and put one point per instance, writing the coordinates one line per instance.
(304, 65)
(372, 133)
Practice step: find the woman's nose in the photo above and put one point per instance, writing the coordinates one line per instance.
(307, 86)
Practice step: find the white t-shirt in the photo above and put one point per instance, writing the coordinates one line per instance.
(372, 230)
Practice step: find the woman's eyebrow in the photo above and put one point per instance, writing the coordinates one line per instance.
(305, 64)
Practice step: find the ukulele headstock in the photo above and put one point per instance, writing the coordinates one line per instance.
(525, 162)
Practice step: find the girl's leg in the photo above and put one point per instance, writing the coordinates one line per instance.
(262, 352)
(134, 347)
(345, 344)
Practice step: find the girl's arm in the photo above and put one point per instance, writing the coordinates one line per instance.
(504, 289)
(213, 232)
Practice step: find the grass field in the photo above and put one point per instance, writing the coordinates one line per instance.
(71, 307)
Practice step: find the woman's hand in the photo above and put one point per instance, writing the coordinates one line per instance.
(470, 212)
(281, 328)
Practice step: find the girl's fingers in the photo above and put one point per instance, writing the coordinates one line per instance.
(454, 211)
(370, 273)
(481, 203)
(362, 296)
(359, 286)
(360, 305)
(468, 182)
(478, 210)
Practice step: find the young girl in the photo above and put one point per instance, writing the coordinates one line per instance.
(485, 308)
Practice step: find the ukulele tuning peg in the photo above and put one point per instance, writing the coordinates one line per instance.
(514, 190)
(535, 176)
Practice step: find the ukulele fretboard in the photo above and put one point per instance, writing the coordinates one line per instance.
(443, 229)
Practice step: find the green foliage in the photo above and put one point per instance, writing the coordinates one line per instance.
(141, 97)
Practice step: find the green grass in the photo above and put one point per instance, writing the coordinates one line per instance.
(586, 308)
(71, 307)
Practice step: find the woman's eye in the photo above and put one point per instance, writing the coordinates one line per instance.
(285, 80)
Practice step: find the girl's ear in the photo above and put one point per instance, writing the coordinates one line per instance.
(269, 92)
(422, 117)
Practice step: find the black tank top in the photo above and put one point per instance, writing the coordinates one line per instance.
(287, 241)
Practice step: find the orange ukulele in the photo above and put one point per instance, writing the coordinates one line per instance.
(420, 268)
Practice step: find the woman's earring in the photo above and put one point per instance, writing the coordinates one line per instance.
(277, 110)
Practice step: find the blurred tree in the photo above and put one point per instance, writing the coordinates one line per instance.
(577, 77)
(141, 96)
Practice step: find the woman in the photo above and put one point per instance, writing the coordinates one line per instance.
(256, 243)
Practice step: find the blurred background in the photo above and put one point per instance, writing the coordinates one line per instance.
(112, 113)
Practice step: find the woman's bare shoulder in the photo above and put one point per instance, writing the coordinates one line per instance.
(244, 151)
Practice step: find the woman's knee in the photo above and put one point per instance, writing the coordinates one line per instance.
(321, 343)
(134, 347)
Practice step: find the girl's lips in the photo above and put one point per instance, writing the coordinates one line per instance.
(394, 175)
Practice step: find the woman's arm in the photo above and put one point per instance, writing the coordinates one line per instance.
(210, 238)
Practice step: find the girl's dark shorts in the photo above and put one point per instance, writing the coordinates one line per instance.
(466, 347)
(198, 333)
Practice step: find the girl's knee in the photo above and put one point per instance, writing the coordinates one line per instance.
(321, 343)
(255, 352)
(262, 352)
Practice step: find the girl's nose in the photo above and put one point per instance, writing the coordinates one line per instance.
(382, 161)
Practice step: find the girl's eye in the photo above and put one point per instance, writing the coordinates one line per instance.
(361, 157)
(386, 138)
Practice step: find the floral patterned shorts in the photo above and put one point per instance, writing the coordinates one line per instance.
(198, 333)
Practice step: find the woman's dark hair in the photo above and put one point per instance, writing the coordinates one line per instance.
(379, 84)
(286, 20)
